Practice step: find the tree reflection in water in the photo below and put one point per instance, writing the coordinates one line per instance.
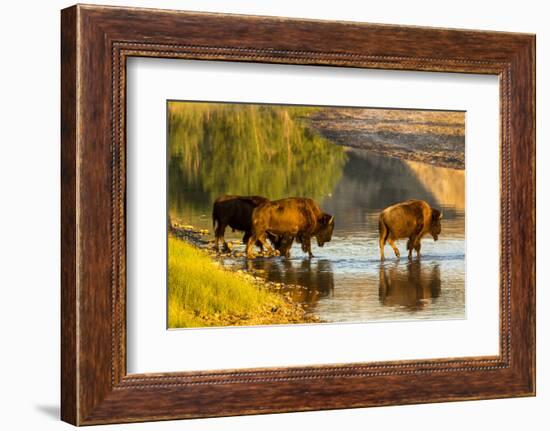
(221, 148)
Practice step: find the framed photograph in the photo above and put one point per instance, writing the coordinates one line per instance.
(266, 215)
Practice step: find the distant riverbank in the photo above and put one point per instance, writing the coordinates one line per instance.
(432, 137)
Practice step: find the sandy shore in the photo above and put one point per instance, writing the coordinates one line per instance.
(432, 137)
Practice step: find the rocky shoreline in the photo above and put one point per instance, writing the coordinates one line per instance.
(288, 312)
(196, 237)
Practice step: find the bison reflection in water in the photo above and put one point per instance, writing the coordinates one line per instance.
(305, 280)
(409, 285)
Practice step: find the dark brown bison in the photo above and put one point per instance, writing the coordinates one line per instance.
(411, 219)
(291, 218)
(235, 212)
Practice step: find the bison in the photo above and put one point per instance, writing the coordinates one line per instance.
(235, 212)
(290, 218)
(411, 219)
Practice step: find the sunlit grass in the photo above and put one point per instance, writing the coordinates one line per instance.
(198, 288)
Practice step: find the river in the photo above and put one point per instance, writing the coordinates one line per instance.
(346, 281)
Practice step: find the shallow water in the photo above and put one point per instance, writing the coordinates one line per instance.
(346, 281)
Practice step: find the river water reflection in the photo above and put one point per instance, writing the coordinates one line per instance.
(346, 281)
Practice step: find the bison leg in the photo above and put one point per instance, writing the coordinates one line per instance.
(286, 245)
(383, 232)
(278, 242)
(264, 244)
(306, 246)
(414, 241)
(417, 248)
(395, 249)
(251, 240)
(254, 239)
(411, 244)
(382, 245)
(282, 243)
(219, 233)
(247, 235)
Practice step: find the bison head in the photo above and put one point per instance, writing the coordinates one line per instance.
(325, 226)
(435, 227)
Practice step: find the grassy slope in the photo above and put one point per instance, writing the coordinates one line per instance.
(202, 293)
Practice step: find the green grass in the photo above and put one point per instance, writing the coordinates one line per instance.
(201, 293)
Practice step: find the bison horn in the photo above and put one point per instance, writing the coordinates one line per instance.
(440, 216)
(331, 219)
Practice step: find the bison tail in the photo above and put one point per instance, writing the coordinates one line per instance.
(214, 220)
(383, 230)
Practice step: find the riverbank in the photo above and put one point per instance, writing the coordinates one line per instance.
(202, 293)
(432, 137)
